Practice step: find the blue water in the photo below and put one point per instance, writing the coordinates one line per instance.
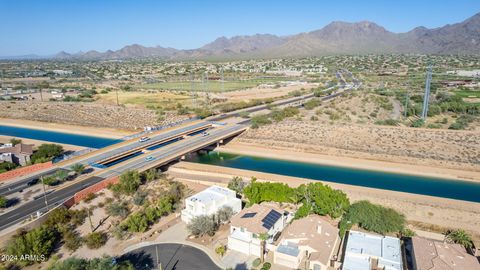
(57, 137)
(454, 189)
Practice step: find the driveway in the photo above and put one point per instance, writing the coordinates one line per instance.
(171, 256)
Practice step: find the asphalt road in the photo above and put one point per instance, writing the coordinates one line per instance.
(169, 152)
(55, 198)
(170, 256)
(23, 182)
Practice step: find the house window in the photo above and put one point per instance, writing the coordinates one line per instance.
(255, 235)
(242, 229)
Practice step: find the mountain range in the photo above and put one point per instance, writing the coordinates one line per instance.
(336, 38)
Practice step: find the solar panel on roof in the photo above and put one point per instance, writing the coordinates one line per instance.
(249, 215)
(270, 219)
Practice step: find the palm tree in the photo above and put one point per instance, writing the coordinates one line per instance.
(460, 237)
(263, 237)
(61, 175)
(78, 168)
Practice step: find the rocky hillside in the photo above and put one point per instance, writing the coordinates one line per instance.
(335, 38)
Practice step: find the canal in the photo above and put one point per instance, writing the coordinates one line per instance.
(438, 187)
(57, 137)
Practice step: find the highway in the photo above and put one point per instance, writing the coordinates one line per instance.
(161, 156)
(93, 157)
(55, 198)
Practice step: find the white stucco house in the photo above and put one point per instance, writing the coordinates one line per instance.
(209, 201)
(250, 224)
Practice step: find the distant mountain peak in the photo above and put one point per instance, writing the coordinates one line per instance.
(338, 37)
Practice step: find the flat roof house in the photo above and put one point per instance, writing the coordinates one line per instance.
(249, 224)
(19, 154)
(366, 251)
(209, 201)
(436, 255)
(311, 239)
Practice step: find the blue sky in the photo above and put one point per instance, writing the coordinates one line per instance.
(48, 26)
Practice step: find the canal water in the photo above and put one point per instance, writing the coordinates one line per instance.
(57, 137)
(447, 188)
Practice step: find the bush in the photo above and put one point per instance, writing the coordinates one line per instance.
(256, 262)
(96, 240)
(90, 197)
(260, 120)
(418, 123)
(460, 237)
(103, 263)
(78, 168)
(372, 217)
(267, 266)
(119, 209)
(311, 104)
(72, 240)
(202, 225)
(220, 250)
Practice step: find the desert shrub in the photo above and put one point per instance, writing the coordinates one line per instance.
(71, 240)
(220, 250)
(96, 240)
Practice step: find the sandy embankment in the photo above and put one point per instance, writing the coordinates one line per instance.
(432, 212)
(241, 148)
(72, 129)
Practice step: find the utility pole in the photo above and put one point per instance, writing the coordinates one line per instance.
(116, 91)
(426, 96)
(45, 195)
(406, 104)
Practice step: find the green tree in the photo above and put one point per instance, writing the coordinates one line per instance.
(372, 217)
(128, 183)
(3, 202)
(50, 180)
(237, 184)
(15, 141)
(460, 237)
(38, 242)
(78, 168)
(201, 225)
(46, 152)
(7, 166)
(325, 200)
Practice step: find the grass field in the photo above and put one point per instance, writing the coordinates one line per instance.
(467, 94)
(215, 86)
(143, 98)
